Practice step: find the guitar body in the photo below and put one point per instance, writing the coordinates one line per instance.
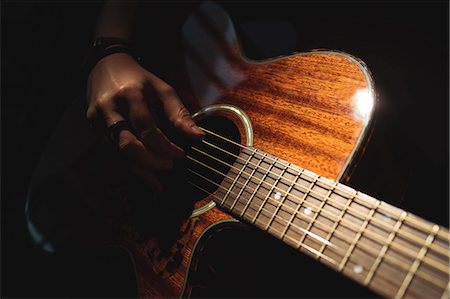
(313, 109)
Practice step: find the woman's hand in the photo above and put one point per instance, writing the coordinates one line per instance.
(120, 89)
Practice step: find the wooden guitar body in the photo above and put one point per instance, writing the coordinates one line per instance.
(290, 131)
(313, 109)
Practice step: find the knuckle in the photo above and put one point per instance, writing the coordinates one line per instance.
(102, 103)
(180, 117)
(166, 90)
(178, 122)
(146, 135)
(130, 91)
(183, 112)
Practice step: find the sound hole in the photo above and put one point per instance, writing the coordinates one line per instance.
(209, 160)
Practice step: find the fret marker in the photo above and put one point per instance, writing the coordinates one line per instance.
(357, 268)
(307, 210)
(277, 195)
(386, 218)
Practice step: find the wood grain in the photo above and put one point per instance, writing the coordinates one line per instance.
(303, 110)
(303, 107)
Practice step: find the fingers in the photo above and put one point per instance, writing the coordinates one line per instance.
(133, 148)
(177, 113)
(146, 147)
(149, 134)
(143, 162)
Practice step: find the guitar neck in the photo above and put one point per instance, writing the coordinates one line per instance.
(395, 253)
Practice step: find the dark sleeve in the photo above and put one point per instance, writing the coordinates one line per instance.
(157, 33)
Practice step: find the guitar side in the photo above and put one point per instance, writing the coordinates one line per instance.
(313, 109)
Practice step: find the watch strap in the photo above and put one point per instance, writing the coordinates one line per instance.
(104, 46)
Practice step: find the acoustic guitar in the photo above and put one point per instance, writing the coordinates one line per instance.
(262, 119)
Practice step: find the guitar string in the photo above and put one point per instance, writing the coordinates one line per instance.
(310, 249)
(386, 212)
(378, 236)
(433, 263)
(438, 249)
(391, 260)
(440, 233)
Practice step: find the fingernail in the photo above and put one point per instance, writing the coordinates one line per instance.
(197, 130)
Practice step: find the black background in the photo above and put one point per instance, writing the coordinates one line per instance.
(405, 45)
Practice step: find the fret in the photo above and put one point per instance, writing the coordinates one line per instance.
(376, 244)
(278, 196)
(383, 230)
(412, 247)
(338, 220)
(317, 233)
(269, 180)
(414, 232)
(251, 187)
(229, 181)
(436, 256)
(421, 232)
(383, 250)
(362, 253)
(285, 200)
(245, 199)
(323, 202)
(427, 272)
(312, 250)
(231, 192)
(424, 284)
(338, 232)
(414, 267)
(225, 185)
(283, 208)
(241, 163)
(358, 235)
(289, 232)
(246, 180)
(279, 223)
(260, 179)
(424, 225)
(338, 200)
(313, 233)
(362, 258)
(395, 268)
(422, 288)
(340, 240)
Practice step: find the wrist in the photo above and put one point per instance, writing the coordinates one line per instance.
(118, 49)
(105, 46)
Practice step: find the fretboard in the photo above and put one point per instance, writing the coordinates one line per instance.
(395, 253)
